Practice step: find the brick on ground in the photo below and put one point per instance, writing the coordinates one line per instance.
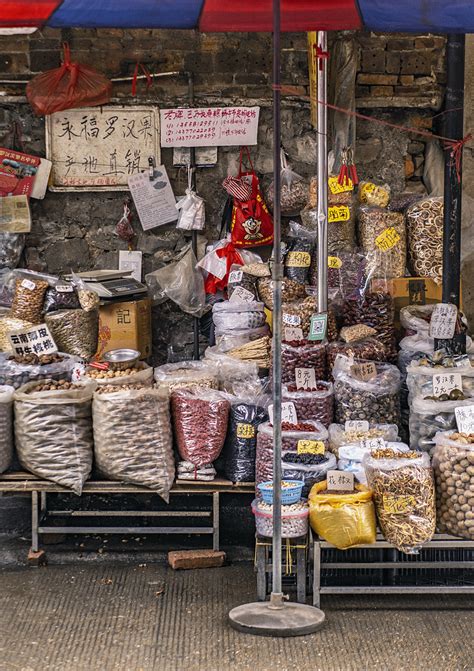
(192, 559)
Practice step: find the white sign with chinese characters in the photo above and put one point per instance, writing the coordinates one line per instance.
(465, 418)
(242, 295)
(443, 383)
(443, 321)
(35, 340)
(288, 413)
(356, 425)
(99, 148)
(209, 126)
(154, 199)
(340, 481)
(305, 378)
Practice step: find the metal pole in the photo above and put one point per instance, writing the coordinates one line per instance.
(276, 596)
(454, 121)
(322, 131)
(192, 166)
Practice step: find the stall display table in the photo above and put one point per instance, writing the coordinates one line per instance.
(42, 517)
(295, 553)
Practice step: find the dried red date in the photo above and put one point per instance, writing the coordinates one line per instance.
(302, 355)
(315, 404)
(375, 309)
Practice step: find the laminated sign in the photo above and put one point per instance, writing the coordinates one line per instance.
(338, 213)
(334, 262)
(336, 188)
(310, 447)
(36, 340)
(387, 239)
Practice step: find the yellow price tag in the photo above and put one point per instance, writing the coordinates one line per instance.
(367, 187)
(387, 239)
(298, 260)
(245, 430)
(334, 262)
(336, 188)
(338, 213)
(311, 447)
(398, 505)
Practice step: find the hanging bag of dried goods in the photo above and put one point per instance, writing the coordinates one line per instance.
(6, 426)
(299, 253)
(453, 464)
(246, 415)
(132, 436)
(294, 189)
(366, 390)
(251, 223)
(313, 399)
(200, 424)
(425, 238)
(344, 520)
(28, 299)
(382, 236)
(373, 195)
(70, 86)
(340, 229)
(75, 331)
(53, 431)
(404, 496)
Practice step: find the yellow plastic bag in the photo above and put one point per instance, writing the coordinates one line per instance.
(344, 520)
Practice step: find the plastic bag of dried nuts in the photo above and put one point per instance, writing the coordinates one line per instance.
(375, 309)
(340, 436)
(75, 331)
(315, 403)
(187, 375)
(298, 314)
(294, 190)
(404, 496)
(200, 424)
(340, 229)
(63, 296)
(338, 194)
(374, 195)
(16, 371)
(6, 427)
(28, 299)
(53, 431)
(425, 238)
(142, 374)
(427, 418)
(239, 278)
(132, 436)
(453, 463)
(290, 291)
(368, 348)
(8, 324)
(302, 355)
(366, 390)
(346, 272)
(382, 236)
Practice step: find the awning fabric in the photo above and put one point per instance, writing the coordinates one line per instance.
(416, 16)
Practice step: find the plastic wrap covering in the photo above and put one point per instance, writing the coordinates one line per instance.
(230, 371)
(315, 403)
(6, 427)
(382, 236)
(368, 348)
(200, 424)
(294, 519)
(294, 189)
(404, 496)
(28, 299)
(142, 374)
(425, 238)
(7, 324)
(344, 520)
(351, 458)
(53, 433)
(8, 280)
(416, 318)
(11, 248)
(75, 331)
(429, 417)
(299, 253)
(341, 226)
(453, 463)
(302, 355)
(229, 316)
(186, 375)
(376, 400)
(420, 381)
(374, 195)
(62, 296)
(338, 436)
(133, 439)
(17, 374)
(310, 468)
(232, 339)
(241, 443)
(376, 309)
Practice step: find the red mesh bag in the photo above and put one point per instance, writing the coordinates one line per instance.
(71, 85)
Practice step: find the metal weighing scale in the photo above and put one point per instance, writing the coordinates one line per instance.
(113, 284)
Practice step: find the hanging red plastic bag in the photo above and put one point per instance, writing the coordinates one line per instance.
(251, 223)
(71, 85)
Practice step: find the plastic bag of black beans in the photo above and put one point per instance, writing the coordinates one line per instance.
(309, 468)
(239, 278)
(241, 443)
(62, 296)
(299, 253)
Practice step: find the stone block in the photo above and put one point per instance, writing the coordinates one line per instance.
(400, 44)
(406, 80)
(67, 254)
(409, 167)
(381, 91)
(392, 62)
(44, 60)
(373, 60)
(377, 79)
(417, 62)
(193, 559)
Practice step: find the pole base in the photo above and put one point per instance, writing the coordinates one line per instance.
(293, 619)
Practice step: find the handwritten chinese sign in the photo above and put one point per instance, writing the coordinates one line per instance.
(35, 340)
(443, 321)
(100, 148)
(209, 126)
(341, 481)
(305, 378)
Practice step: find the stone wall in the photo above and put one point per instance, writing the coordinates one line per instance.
(399, 79)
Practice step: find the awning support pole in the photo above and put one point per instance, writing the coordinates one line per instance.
(322, 172)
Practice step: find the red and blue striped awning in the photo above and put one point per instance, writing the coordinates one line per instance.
(417, 16)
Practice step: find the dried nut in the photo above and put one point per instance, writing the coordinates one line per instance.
(377, 310)
(291, 291)
(302, 355)
(294, 519)
(370, 349)
(314, 404)
(425, 238)
(28, 299)
(75, 331)
(383, 262)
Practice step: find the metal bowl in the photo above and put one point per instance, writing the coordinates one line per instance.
(120, 359)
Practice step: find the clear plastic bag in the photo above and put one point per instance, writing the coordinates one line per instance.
(200, 424)
(239, 278)
(53, 433)
(376, 400)
(376, 309)
(132, 438)
(231, 315)
(374, 195)
(345, 273)
(315, 404)
(382, 236)
(453, 464)
(299, 252)
(340, 228)
(369, 349)
(228, 340)
(182, 282)
(404, 497)
(63, 296)
(294, 519)
(427, 418)
(416, 318)
(420, 381)
(303, 355)
(294, 190)
(339, 437)
(17, 374)
(191, 208)
(7, 324)
(351, 458)
(28, 300)
(8, 280)
(75, 332)
(241, 442)
(187, 375)
(89, 299)
(301, 468)
(425, 238)
(6, 427)
(142, 374)
(290, 291)
(230, 370)
(11, 249)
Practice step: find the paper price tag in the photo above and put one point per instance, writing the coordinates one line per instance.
(465, 418)
(235, 276)
(245, 430)
(373, 443)
(291, 320)
(364, 371)
(398, 505)
(288, 413)
(298, 260)
(240, 295)
(338, 481)
(337, 188)
(64, 288)
(310, 447)
(28, 284)
(338, 213)
(443, 321)
(334, 262)
(35, 340)
(387, 239)
(293, 334)
(444, 383)
(318, 326)
(356, 425)
(305, 378)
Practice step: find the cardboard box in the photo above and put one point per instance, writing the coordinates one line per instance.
(125, 324)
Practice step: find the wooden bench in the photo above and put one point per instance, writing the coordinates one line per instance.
(22, 482)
